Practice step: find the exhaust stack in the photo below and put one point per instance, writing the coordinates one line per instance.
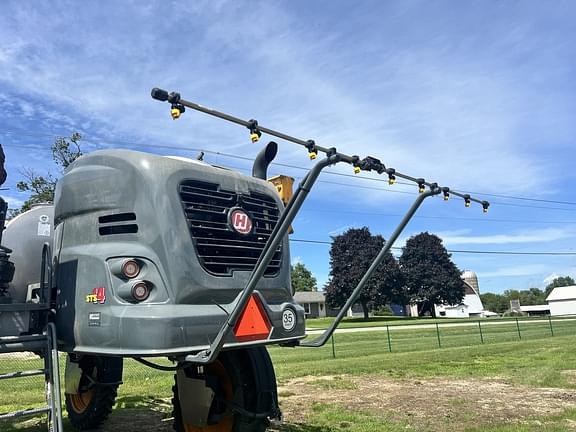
(264, 158)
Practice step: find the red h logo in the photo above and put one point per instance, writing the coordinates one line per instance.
(240, 221)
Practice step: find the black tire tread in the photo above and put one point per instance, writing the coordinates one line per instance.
(236, 364)
(100, 406)
(97, 412)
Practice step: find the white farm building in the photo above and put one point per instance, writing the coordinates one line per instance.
(471, 305)
(562, 301)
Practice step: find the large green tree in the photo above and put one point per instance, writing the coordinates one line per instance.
(558, 282)
(302, 278)
(431, 276)
(41, 187)
(351, 254)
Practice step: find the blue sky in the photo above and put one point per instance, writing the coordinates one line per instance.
(478, 96)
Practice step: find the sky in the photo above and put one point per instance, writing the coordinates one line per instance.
(477, 96)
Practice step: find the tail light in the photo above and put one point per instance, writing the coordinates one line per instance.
(130, 268)
(140, 291)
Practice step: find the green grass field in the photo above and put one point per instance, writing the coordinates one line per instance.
(537, 360)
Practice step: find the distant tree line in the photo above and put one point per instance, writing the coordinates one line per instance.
(500, 303)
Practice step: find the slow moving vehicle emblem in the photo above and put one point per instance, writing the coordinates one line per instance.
(240, 222)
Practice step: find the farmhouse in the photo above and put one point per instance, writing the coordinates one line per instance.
(313, 302)
(562, 300)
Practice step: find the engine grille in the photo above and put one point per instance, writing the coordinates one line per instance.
(221, 250)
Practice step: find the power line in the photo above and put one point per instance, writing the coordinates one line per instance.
(217, 153)
(223, 154)
(494, 220)
(455, 250)
(444, 217)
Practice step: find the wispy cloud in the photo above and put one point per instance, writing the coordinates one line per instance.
(14, 203)
(560, 273)
(341, 229)
(415, 108)
(516, 271)
(491, 111)
(528, 236)
(297, 260)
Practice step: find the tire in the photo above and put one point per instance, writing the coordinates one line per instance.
(93, 404)
(235, 373)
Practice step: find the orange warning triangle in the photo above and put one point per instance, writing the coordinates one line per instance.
(253, 323)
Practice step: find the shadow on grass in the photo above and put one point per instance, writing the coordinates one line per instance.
(146, 402)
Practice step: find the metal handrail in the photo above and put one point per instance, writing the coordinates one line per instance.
(369, 163)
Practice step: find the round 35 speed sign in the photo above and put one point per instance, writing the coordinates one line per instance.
(288, 319)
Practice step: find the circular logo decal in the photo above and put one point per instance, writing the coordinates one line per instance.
(240, 221)
(288, 319)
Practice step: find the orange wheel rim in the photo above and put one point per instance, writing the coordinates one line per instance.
(227, 423)
(81, 401)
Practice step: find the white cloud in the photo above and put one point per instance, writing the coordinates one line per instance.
(13, 203)
(297, 260)
(340, 230)
(414, 109)
(566, 272)
(517, 270)
(528, 236)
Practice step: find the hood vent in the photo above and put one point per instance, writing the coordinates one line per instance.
(111, 224)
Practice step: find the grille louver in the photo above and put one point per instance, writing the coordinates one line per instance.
(221, 250)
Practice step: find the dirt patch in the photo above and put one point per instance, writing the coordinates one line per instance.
(426, 404)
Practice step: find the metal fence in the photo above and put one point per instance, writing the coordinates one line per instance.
(418, 337)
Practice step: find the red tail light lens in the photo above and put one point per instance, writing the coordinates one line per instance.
(130, 268)
(140, 291)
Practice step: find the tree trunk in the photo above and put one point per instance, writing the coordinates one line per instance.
(365, 310)
(432, 310)
(426, 307)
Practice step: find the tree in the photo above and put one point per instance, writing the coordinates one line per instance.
(431, 276)
(495, 302)
(351, 254)
(500, 303)
(558, 282)
(531, 296)
(302, 279)
(41, 188)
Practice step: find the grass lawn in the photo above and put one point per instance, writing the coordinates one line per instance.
(363, 360)
(536, 363)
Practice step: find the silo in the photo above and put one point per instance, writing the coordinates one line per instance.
(471, 279)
